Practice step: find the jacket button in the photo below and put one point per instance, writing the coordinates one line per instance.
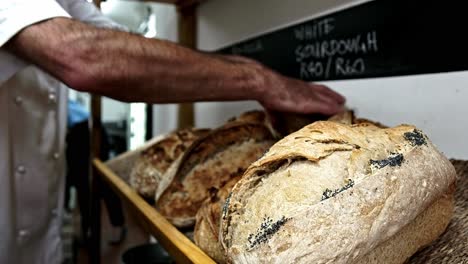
(22, 235)
(21, 169)
(52, 98)
(56, 156)
(18, 100)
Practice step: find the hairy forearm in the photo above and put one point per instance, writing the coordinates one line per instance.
(128, 67)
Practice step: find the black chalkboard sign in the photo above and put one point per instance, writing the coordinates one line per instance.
(374, 39)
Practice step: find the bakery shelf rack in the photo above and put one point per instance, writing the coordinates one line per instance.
(179, 246)
(175, 242)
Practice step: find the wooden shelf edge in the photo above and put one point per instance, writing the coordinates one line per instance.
(176, 243)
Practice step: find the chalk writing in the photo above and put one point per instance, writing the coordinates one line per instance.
(362, 41)
(333, 66)
(330, 48)
(315, 29)
(348, 67)
(334, 57)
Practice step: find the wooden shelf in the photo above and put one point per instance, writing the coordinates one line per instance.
(176, 243)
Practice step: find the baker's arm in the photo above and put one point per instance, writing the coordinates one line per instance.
(129, 67)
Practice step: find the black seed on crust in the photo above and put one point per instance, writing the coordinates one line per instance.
(330, 193)
(392, 161)
(416, 138)
(266, 230)
(226, 205)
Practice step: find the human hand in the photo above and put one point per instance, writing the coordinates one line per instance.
(283, 94)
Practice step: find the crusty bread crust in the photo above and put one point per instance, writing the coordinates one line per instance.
(419, 233)
(153, 162)
(379, 181)
(207, 222)
(348, 117)
(210, 162)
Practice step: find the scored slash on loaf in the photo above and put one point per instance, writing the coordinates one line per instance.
(149, 171)
(339, 193)
(346, 190)
(212, 161)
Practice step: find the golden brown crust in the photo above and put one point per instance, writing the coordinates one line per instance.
(154, 161)
(359, 185)
(345, 117)
(419, 233)
(348, 117)
(207, 221)
(327, 138)
(219, 139)
(210, 162)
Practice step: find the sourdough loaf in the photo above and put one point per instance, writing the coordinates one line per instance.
(337, 193)
(208, 217)
(153, 162)
(206, 232)
(210, 162)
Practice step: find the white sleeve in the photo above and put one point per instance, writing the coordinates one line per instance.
(87, 12)
(16, 15)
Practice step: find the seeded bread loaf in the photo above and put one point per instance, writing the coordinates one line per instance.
(206, 232)
(210, 162)
(147, 172)
(337, 193)
(209, 215)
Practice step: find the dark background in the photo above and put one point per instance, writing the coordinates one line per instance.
(413, 37)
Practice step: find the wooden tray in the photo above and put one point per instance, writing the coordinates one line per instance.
(451, 247)
(176, 243)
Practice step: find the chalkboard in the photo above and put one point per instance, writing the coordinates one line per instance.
(374, 39)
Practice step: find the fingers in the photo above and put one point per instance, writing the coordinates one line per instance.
(328, 109)
(327, 101)
(296, 96)
(329, 92)
(305, 106)
(322, 106)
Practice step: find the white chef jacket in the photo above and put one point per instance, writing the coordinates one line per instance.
(32, 135)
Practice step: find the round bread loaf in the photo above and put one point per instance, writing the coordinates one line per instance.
(147, 173)
(337, 193)
(212, 161)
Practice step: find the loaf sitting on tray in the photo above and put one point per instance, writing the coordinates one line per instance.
(207, 221)
(208, 217)
(210, 162)
(337, 193)
(148, 172)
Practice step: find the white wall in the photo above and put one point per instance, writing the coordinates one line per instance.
(436, 103)
(222, 22)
